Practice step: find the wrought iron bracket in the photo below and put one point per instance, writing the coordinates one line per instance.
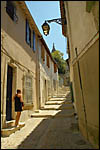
(58, 20)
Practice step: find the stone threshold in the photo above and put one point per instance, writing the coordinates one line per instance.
(51, 115)
(43, 108)
(53, 103)
(57, 99)
(5, 132)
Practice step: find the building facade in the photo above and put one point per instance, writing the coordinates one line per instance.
(19, 60)
(48, 73)
(82, 32)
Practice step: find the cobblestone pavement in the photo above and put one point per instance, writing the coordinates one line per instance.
(58, 132)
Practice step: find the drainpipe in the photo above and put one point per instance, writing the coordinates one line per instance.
(38, 69)
(39, 38)
(70, 33)
(71, 88)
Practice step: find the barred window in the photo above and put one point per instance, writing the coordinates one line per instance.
(28, 89)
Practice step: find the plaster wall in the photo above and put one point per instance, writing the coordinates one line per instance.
(82, 31)
(82, 25)
(47, 76)
(15, 47)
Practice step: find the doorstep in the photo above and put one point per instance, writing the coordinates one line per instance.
(54, 102)
(44, 113)
(5, 132)
(57, 99)
(10, 123)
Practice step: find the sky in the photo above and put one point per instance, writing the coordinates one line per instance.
(47, 10)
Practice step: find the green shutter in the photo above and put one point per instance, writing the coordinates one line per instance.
(89, 5)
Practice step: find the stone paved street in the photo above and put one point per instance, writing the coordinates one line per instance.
(54, 132)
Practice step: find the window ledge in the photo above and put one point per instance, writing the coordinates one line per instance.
(28, 106)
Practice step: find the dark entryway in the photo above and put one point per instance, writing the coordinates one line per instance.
(9, 93)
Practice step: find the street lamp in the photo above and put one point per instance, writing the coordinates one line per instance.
(46, 27)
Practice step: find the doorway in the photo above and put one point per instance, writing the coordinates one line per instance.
(45, 90)
(9, 93)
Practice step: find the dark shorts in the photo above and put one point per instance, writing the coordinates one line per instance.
(18, 108)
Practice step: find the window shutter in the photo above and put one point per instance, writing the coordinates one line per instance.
(28, 33)
(89, 5)
(29, 36)
(42, 53)
(55, 68)
(48, 61)
(54, 84)
(34, 48)
(49, 89)
(10, 9)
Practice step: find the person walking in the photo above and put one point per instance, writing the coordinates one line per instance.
(19, 103)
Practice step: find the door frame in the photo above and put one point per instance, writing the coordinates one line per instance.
(45, 90)
(14, 83)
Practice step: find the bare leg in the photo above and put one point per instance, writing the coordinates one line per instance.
(17, 118)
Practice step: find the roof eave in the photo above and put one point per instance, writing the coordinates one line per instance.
(63, 16)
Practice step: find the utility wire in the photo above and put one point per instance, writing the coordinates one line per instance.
(15, 61)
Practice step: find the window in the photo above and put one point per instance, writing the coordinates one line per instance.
(48, 63)
(42, 53)
(34, 48)
(28, 89)
(55, 68)
(28, 33)
(49, 89)
(11, 11)
(29, 36)
(54, 84)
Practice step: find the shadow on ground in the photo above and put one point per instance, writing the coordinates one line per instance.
(58, 132)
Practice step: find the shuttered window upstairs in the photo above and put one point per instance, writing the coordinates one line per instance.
(34, 48)
(28, 33)
(48, 63)
(42, 53)
(11, 11)
(55, 68)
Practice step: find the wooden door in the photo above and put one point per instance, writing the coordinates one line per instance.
(9, 93)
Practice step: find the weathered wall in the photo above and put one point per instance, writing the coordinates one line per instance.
(82, 31)
(14, 44)
(47, 76)
(82, 25)
(90, 80)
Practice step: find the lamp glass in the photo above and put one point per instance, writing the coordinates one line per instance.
(45, 28)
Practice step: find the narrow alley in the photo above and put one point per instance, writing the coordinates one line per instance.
(49, 75)
(53, 127)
